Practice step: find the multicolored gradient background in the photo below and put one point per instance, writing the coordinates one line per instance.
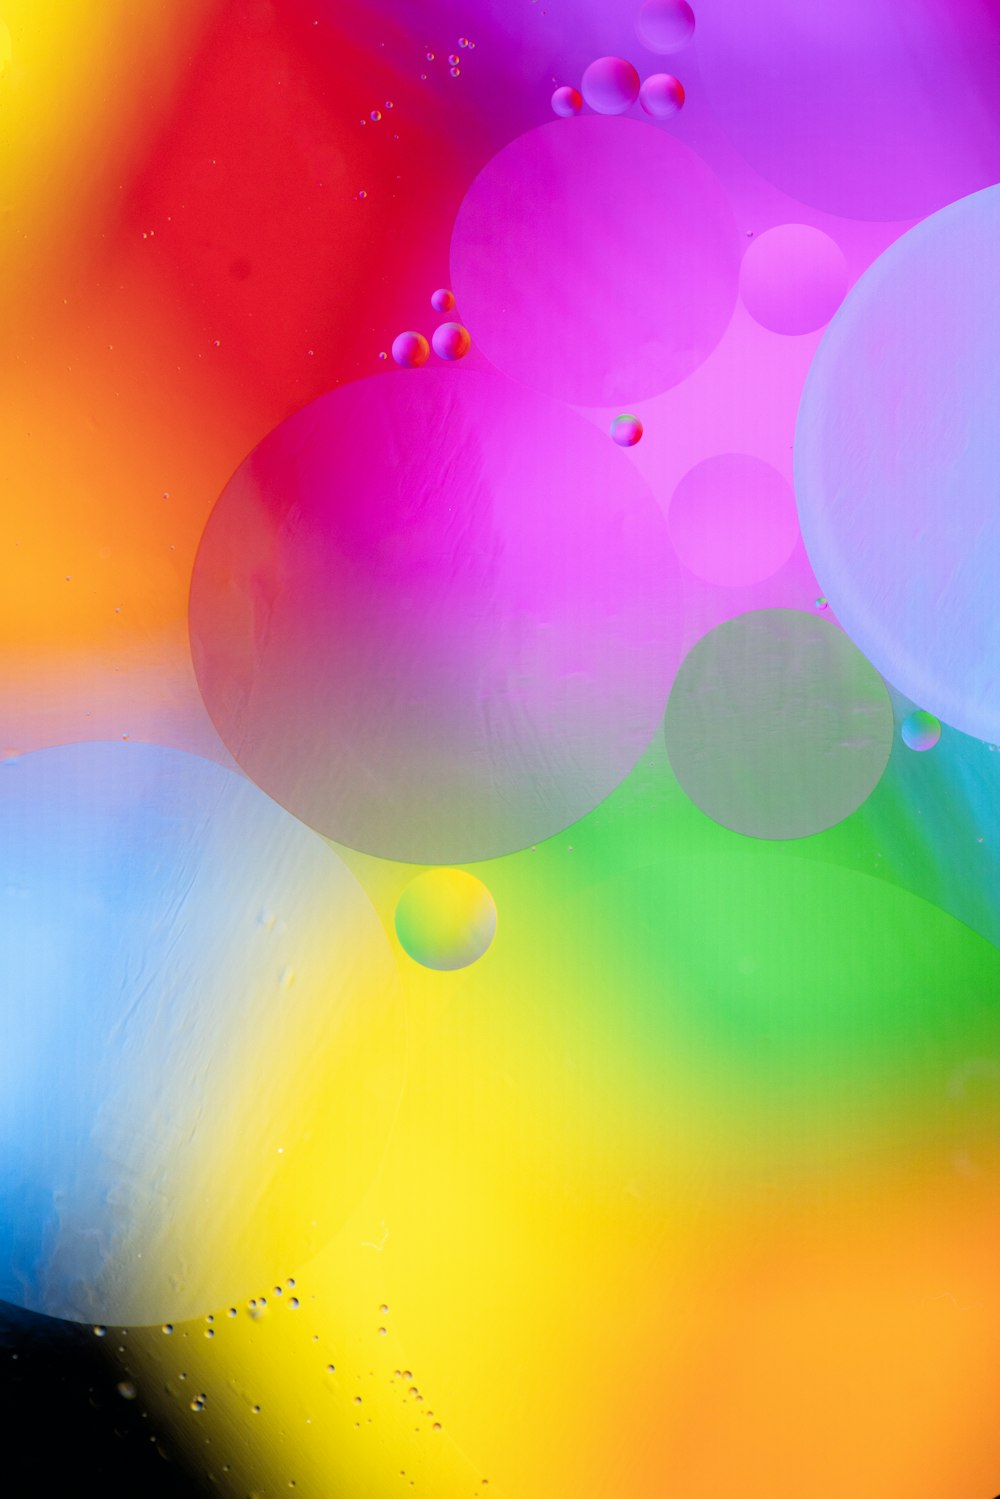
(691, 1183)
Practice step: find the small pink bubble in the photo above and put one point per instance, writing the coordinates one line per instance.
(610, 85)
(662, 95)
(442, 300)
(567, 102)
(451, 341)
(410, 350)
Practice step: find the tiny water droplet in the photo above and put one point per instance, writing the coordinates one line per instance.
(376, 115)
(127, 1390)
(294, 1303)
(100, 1332)
(453, 59)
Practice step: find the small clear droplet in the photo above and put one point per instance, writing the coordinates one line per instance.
(389, 104)
(381, 1332)
(232, 1311)
(430, 57)
(210, 1332)
(331, 1368)
(463, 41)
(383, 1311)
(362, 194)
(127, 1390)
(376, 115)
(100, 1332)
(453, 59)
(357, 1400)
(436, 1426)
(294, 1303)
(454, 72)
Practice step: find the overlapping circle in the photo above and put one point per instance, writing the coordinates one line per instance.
(435, 616)
(596, 260)
(202, 1036)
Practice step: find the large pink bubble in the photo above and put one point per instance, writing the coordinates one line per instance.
(793, 278)
(732, 520)
(435, 616)
(882, 110)
(596, 260)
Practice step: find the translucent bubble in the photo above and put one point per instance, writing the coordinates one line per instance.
(442, 300)
(362, 194)
(610, 85)
(454, 72)
(793, 278)
(453, 59)
(446, 919)
(662, 95)
(451, 341)
(463, 41)
(430, 57)
(665, 25)
(167, 1329)
(626, 430)
(389, 104)
(921, 731)
(127, 1390)
(410, 350)
(376, 115)
(100, 1332)
(294, 1303)
(567, 102)
(822, 603)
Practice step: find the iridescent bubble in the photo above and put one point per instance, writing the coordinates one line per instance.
(454, 72)
(610, 85)
(662, 95)
(376, 115)
(777, 726)
(442, 300)
(410, 350)
(665, 25)
(921, 731)
(453, 59)
(626, 430)
(567, 102)
(732, 520)
(446, 919)
(793, 278)
(451, 341)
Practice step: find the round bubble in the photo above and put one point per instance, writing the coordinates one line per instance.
(793, 278)
(920, 731)
(442, 300)
(897, 449)
(410, 350)
(662, 95)
(665, 25)
(437, 619)
(446, 919)
(563, 292)
(777, 726)
(626, 430)
(870, 111)
(732, 520)
(203, 1040)
(610, 85)
(451, 341)
(567, 102)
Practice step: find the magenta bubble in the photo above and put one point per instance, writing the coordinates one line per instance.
(793, 278)
(451, 341)
(610, 85)
(410, 350)
(732, 520)
(873, 111)
(626, 430)
(567, 102)
(564, 292)
(665, 25)
(437, 619)
(662, 95)
(442, 300)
